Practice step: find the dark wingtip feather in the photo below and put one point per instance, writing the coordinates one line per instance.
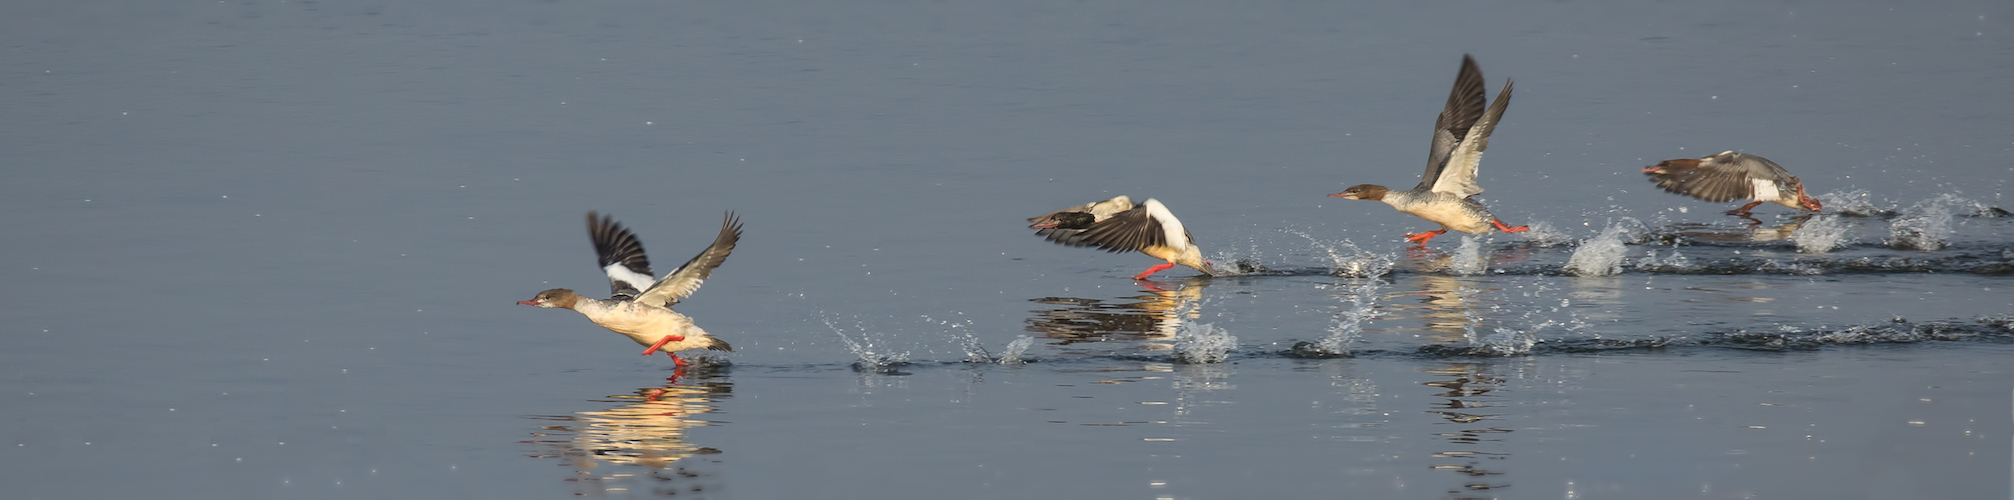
(731, 221)
(614, 243)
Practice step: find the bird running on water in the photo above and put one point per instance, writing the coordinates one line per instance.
(640, 307)
(1116, 225)
(1733, 176)
(1444, 195)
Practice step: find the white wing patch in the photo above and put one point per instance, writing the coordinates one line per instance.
(1764, 190)
(623, 274)
(1459, 176)
(1178, 238)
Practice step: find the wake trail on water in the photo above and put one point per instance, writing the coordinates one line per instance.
(1946, 234)
(1943, 234)
(1206, 344)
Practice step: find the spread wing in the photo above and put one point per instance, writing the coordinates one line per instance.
(1062, 224)
(1755, 167)
(1717, 178)
(1459, 176)
(686, 279)
(1126, 231)
(1063, 217)
(620, 255)
(1465, 105)
(1070, 221)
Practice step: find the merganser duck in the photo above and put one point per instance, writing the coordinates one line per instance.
(645, 316)
(1117, 226)
(1460, 136)
(1732, 176)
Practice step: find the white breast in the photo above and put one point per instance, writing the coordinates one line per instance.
(1443, 209)
(633, 319)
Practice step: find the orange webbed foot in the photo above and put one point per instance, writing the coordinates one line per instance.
(1509, 229)
(1421, 238)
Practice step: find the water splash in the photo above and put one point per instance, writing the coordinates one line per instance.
(1346, 326)
(1925, 225)
(707, 362)
(974, 351)
(1511, 341)
(1602, 255)
(1231, 263)
(1673, 263)
(1466, 296)
(1251, 260)
(1974, 208)
(1821, 234)
(1468, 259)
(1012, 355)
(1855, 203)
(865, 350)
(1503, 341)
(1545, 235)
(2004, 322)
(1240, 267)
(1347, 260)
(1203, 343)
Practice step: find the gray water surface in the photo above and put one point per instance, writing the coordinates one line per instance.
(270, 250)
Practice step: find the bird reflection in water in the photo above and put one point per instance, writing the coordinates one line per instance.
(1157, 314)
(636, 446)
(1432, 260)
(1443, 303)
(1466, 392)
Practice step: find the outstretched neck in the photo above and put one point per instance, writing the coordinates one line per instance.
(1193, 257)
(1399, 199)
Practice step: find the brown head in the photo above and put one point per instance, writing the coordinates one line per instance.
(557, 297)
(1808, 201)
(1363, 192)
(1194, 258)
(1207, 268)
